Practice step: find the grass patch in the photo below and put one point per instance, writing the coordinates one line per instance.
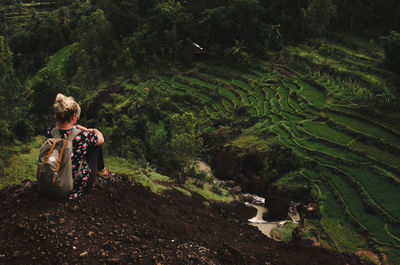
(285, 232)
(123, 166)
(183, 191)
(23, 164)
(158, 177)
(206, 192)
(60, 58)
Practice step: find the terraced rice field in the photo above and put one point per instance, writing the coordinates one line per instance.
(21, 12)
(355, 160)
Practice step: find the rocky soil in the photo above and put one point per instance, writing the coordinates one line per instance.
(121, 222)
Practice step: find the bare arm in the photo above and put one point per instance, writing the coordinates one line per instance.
(100, 137)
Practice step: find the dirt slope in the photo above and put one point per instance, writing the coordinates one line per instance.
(120, 222)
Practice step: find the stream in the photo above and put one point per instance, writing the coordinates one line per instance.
(266, 226)
(258, 202)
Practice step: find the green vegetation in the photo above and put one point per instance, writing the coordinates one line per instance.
(183, 191)
(310, 105)
(210, 192)
(337, 228)
(284, 233)
(22, 164)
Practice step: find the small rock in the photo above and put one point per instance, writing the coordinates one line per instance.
(52, 222)
(114, 260)
(135, 238)
(83, 254)
(90, 233)
(53, 230)
(62, 221)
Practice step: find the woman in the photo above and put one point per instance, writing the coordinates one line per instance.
(86, 145)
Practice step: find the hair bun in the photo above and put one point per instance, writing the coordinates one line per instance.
(65, 107)
(60, 98)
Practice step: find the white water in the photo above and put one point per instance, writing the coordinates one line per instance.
(257, 202)
(264, 226)
(257, 221)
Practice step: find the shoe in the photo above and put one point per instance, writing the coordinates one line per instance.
(103, 173)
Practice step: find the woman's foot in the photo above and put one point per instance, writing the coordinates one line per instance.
(103, 173)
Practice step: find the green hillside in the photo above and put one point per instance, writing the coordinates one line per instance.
(298, 99)
(350, 155)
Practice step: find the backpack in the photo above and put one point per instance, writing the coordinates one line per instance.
(54, 172)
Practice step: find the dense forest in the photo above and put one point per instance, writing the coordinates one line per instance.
(288, 86)
(131, 38)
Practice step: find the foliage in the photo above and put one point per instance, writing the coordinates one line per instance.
(33, 42)
(278, 160)
(206, 192)
(22, 163)
(184, 144)
(14, 121)
(183, 191)
(92, 52)
(284, 232)
(318, 15)
(46, 84)
(391, 45)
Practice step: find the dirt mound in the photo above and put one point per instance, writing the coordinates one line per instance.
(119, 221)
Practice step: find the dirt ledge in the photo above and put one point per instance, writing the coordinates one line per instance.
(119, 221)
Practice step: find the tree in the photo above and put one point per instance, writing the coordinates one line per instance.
(349, 15)
(184, 142)
(92, 53)
(317, 16)
(14, 119)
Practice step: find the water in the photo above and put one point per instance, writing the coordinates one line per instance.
(262, 225)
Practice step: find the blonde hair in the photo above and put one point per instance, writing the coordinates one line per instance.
(65, 108)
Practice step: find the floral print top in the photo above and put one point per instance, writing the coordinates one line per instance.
(80, 146)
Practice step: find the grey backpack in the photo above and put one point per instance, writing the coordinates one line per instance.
(54, 172)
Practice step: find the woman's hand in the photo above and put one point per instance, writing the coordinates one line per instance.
(80, 127)
(100, 137)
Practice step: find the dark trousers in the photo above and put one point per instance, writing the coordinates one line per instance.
(94, 159)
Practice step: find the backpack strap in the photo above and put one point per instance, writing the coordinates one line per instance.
(59, 161)
(56, 132)
(75, 132)
(47, 157)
